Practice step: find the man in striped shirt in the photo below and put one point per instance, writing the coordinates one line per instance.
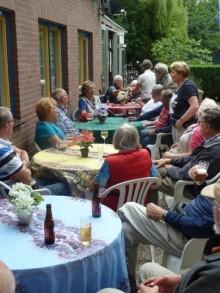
(14, 162)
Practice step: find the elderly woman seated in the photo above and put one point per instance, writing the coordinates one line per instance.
(88, 102)
(113, 91)
(47, 134)
(131, 162)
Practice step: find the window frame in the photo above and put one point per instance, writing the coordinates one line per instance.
(84, 50)
(5, 61)
(46, 29)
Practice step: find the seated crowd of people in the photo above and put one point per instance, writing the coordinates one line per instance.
(169, 105)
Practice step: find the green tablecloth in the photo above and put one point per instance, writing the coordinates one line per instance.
(111, 124)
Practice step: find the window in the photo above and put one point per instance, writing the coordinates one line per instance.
(4, 79)
(84, 54)
(50, 58)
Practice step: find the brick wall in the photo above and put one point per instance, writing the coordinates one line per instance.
(74, 15)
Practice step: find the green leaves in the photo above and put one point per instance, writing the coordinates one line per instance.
(170, 49)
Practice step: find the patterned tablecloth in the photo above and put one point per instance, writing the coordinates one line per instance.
(123, 109)
(66, 266)
(69, 166)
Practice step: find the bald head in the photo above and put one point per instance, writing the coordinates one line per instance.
(5, 116)
(7, 281)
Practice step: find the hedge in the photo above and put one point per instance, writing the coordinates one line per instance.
(207, 78)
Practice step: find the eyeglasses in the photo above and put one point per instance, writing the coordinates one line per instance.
(10, 121)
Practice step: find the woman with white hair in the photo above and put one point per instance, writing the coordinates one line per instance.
(113, 91)
(131, 162)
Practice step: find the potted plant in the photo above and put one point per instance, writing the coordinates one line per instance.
(24, 200)
(101, 113)
(85, 140)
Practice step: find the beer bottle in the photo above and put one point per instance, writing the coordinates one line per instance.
(49, 235)
(96, 206)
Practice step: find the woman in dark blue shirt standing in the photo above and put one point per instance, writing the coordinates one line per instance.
(184, 103)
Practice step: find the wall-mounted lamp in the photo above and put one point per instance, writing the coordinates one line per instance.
(123, 13)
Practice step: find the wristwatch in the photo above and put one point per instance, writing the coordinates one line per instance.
(164, 215)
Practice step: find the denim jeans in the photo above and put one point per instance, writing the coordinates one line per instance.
(56, 187)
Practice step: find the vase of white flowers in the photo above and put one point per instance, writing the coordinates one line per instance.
(24, 200)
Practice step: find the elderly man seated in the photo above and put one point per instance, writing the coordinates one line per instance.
(63, 121)
(203, 277)
(179, 168)
(168, 229)
(15, 162)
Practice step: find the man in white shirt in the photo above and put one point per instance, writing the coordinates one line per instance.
(154, 102)
(146, 81)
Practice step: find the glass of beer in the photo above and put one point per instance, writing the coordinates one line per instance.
(85, 230)
(201, 172)
(62, 145)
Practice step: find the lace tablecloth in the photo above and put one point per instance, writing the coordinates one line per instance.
(67, 265)
(69, 166)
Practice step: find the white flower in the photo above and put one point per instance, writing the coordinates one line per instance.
(21, 196)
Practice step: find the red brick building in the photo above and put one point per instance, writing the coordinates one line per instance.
(46, 44)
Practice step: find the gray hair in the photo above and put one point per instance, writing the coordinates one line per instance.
(212, 117)
(5, 115)
(207, 104)
(161, 68)
(57, 93)
(117, 77)
(126, 137)
(147, 64)
(157, 90)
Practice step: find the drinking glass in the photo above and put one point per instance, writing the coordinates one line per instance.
(104, 135)
(131, 113)
(85, 230)
(201, 172)
(62, 145)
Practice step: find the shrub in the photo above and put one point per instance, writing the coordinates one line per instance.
(207, 78)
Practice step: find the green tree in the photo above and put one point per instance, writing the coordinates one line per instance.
(202, 22)
(170, 49)
(151, 20)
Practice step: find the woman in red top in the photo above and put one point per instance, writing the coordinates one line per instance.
(131, 162)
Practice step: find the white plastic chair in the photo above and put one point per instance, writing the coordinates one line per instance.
(134, 190)
(75, 114)
(158, 146)
(181, 184)
(37, 147)
(194, 248)
(193, 252)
